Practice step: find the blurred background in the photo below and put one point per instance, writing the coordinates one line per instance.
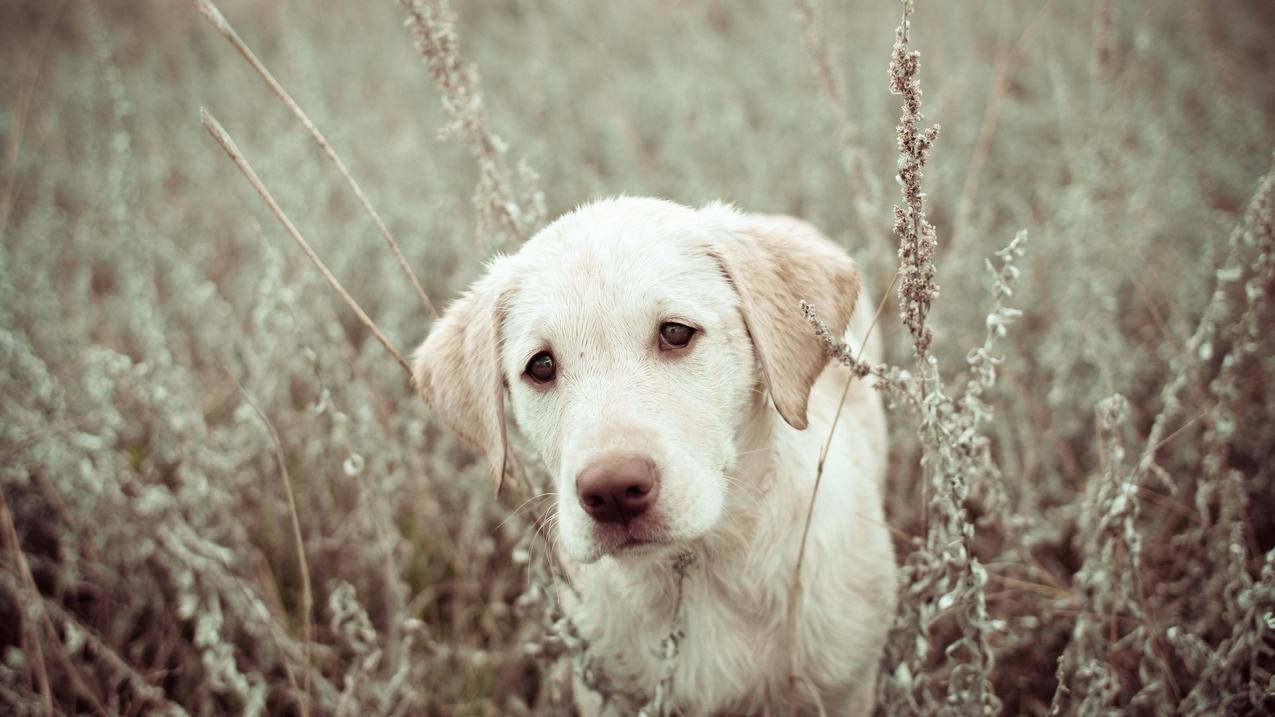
(149, 557)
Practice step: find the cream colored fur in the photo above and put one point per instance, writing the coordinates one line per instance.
(735, 425)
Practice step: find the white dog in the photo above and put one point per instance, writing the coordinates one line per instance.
(641, 345)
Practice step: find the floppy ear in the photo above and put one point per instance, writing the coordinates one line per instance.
(775, 263)
(457, 371)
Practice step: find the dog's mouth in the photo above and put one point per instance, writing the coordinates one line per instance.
(625, 541)
(637, 546)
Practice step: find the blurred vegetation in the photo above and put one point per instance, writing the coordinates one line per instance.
(150, 565)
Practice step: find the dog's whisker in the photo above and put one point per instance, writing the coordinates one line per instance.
(525, 505)
(736, 480)
(756, 493)
(546, 527)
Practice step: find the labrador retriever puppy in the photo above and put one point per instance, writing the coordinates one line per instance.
(656, 358)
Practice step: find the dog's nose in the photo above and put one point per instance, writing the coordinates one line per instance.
(617, 488)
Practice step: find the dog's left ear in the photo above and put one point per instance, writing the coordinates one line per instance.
(457, 371)
(775, 263)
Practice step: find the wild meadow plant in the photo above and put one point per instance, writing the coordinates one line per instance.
(218, 494)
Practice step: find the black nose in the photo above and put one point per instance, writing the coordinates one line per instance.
(617, 488)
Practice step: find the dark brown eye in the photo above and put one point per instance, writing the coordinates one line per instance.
(674, 335)
(541, 368)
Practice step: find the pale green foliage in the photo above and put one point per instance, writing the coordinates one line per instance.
(1082, 497)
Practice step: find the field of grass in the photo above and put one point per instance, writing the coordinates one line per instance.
(1082, 494)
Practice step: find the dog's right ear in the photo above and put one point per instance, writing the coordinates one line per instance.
(775, 263)
(457, 371)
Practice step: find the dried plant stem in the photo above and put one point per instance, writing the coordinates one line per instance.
(509, 214)
(219, 133)
(307, 596)
(219, 22)
(1259, 206)
(20, 112)
(20, 565)
(1006, 64)
(865, 188)
(120, 669)
(916, 236)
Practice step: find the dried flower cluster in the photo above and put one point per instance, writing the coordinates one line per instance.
(915, 235)
(944, 582)
(509, 204)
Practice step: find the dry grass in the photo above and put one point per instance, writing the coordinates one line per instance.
(1081, 460)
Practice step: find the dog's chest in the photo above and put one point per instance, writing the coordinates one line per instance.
(721, 650)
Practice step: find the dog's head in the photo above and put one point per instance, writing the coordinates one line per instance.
(633, 338)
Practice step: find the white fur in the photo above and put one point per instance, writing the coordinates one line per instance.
(735, 477)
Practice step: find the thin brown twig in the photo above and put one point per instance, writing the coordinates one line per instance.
(10, 534)
(272, 625)
(1038, 588)
(1006, 64)
(121, 670)
(223, 138)
(219, 22)
(21, 113)
(307, 596)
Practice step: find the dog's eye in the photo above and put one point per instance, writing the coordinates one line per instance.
(674, 335)
(541, 368)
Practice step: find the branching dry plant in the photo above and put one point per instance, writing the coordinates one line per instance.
(510, 207)
(1082, 469)
(218, 21)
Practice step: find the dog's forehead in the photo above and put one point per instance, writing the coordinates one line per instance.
(616, 263)
(618, 266)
